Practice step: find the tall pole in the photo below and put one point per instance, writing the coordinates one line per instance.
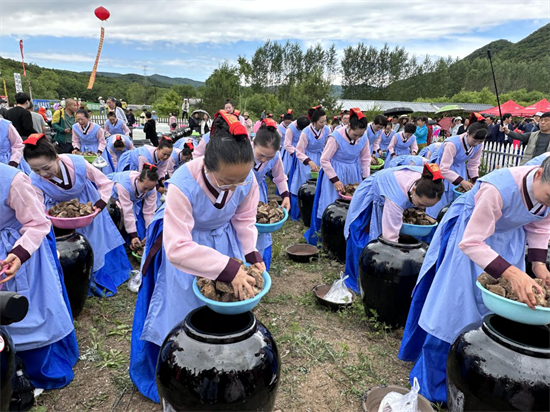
(495, 81)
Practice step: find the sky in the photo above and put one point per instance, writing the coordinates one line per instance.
(191, 38)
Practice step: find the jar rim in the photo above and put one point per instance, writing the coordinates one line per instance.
(217, 328)
(519, 337)
(62, 234)
(414, 243)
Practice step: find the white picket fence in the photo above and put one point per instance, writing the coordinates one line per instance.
(498, 155)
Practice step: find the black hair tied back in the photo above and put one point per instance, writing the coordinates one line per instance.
(478, 130)
(43, 148)
(268, 136)
(225, 148)
(149, 174)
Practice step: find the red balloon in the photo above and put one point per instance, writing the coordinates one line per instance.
(102, 13)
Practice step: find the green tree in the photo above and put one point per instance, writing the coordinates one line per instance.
(223, 83)
(169, 102)
(136, 94)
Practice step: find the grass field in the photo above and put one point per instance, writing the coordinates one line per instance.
(328, 359)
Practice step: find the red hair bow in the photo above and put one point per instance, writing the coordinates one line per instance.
(150, 167)
(289, 111)
(34, 138)
(237, 129)
(167, 138)
(190, 146)
(434, 170)
(357, 112)
(269, 122)
(118, 137)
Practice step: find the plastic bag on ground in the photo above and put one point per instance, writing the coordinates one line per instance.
(395, 402)
(339, 293)
(135, 281)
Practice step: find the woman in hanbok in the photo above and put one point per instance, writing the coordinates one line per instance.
(428, 151)
(268, 159)
(484, 230)
(404, 160)
(308, 155)
(45, 338)
(459, 158)
(378, 204)
(59, 178)
(385, 139)
(135, 192)
(209, 217)
(117, 145)
(11, 147)
(345, 160)
(403, 143)
(286, 120)
(292, 136)
(114, 125)
(157, 156)
(374, 132)
(87, 135)
(180, 157)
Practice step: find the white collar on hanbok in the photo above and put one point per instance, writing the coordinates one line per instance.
(537, 207)
(64, 173)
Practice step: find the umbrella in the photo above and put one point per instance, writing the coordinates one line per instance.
(396, 111)
(449, 108)
(200, 111)
(431, 122)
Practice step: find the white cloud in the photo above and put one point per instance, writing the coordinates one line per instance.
(224, 22)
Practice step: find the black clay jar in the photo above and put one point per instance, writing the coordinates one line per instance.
(306, 195)
(332, 229)
(115, 213)
(214, 362)
(501, 366)
(77, 258)
(442, 212)
(388, 272)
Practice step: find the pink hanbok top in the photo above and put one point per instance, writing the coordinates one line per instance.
(392, 214)
(100, 137)
(162, 168)
(332, 146)
(200, 149)
(488, 209)
(301, 147)
(189, 256)
(149, 205)
(447, 159)
(29, 211)
(103, 184)
(16, 144)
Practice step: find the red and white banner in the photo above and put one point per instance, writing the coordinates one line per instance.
(22, 58)
(94, 70)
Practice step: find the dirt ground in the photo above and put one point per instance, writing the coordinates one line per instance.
(328, 359)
